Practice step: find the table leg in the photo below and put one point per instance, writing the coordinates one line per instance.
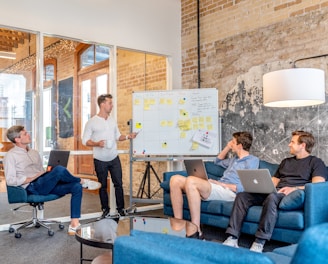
(81, 255)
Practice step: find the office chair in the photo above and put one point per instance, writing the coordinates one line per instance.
(18, 194)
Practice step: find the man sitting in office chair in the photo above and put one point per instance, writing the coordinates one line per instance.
(23, 167)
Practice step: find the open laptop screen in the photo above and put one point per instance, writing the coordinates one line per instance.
(58, 157)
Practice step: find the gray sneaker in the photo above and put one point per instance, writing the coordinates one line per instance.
(257, 247)
(231, 242)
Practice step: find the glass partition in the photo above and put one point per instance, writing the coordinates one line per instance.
(74, 73)
(17, 82)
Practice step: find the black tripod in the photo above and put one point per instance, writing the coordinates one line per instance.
(146, 177)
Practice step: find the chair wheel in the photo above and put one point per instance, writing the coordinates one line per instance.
(18, 235)
(37, 225)
(51, 233)
(11, 230)
(61, 226)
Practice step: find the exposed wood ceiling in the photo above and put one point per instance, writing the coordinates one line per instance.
(10, 39)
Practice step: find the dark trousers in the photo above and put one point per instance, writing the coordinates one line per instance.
(59, 181)
(115, 169)
(268, 218)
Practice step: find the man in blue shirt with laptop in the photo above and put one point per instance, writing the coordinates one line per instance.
(198, 189)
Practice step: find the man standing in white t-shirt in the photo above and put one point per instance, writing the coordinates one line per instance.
(101, 132)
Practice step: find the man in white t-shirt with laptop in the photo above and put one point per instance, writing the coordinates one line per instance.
(198, 189)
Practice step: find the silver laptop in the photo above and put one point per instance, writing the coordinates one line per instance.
(196, 168)
(58, 157)
(256, 181)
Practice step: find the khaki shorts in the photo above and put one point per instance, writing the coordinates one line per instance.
(219, 192)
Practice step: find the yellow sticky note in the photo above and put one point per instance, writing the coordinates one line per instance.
(146, 107)
(180, 123)
(187, 125)
(182, 101)
(163, 123)
(209, 119)
(138, 125)
(194, 146)
(183, 113)
(170, 123)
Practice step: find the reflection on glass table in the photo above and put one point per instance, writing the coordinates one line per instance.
(180, 224)
(101, 234)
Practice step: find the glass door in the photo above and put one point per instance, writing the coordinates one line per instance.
(92, 84)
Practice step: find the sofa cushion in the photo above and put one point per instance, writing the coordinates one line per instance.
(286, 251)
(293, 201)
(270, 166)
(213, 171)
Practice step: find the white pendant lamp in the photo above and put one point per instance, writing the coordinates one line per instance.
(294, 87)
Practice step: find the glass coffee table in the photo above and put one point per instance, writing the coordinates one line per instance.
(102, 233)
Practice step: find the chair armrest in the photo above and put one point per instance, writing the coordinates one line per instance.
(16, 194)
(316, 203)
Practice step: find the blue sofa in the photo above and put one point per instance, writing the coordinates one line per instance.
(290, 224)
(145, 247)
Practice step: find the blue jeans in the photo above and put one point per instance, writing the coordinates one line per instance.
(115, 169)
(269, 215)
(59, 181)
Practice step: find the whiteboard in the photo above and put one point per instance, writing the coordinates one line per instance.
(176, 122)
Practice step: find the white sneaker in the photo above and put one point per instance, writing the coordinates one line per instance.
(257, 247)
(91, 185)
(231, 242)
(72, 230)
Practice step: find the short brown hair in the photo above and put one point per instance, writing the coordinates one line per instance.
(305, 137)
(102, 98)
(244, 138)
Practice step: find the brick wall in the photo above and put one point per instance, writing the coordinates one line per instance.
(242, 40)
(136, 71)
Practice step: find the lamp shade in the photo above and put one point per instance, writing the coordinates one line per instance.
(294, 87)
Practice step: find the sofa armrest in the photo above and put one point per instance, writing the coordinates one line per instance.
(316, 203)
(168, 174)
(146, 247)
(165, 184)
